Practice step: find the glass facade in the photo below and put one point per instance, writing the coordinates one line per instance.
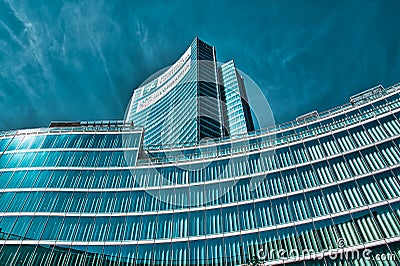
(314, 191)
(182, 105)
(238, 114)
(193, 99)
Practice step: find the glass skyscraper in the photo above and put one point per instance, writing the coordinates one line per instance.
(312, 191)
(234, 97)
(193, 99)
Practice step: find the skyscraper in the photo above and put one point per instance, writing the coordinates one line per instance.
(324, 189)
(234, 97)
(187, 101)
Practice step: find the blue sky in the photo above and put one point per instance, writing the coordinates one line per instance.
(81, 60)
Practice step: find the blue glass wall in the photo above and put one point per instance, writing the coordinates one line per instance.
(237, 111)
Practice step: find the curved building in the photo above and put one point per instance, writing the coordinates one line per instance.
(324, 189)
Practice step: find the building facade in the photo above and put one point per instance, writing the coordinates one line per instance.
(234, 97)
(193, 99)
(168, 107)
(318, 190)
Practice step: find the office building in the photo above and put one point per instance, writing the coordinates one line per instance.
(111, 193)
